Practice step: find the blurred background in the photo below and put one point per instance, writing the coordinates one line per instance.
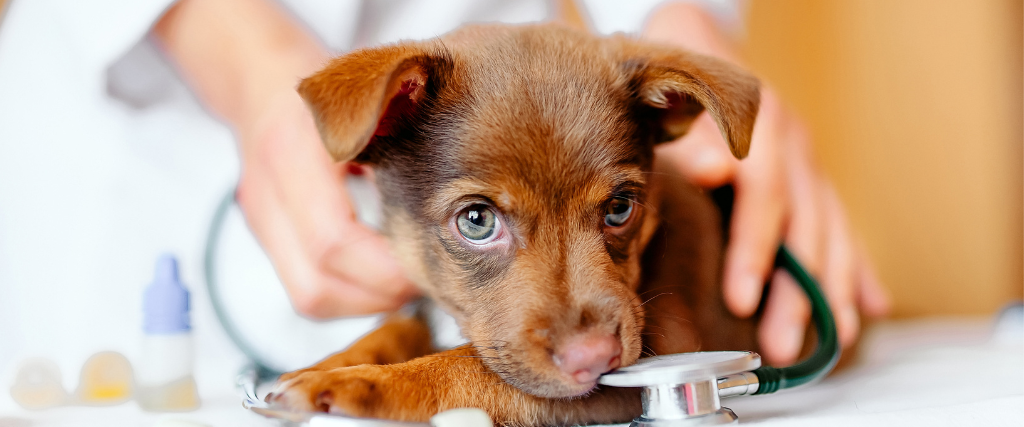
(916, 111)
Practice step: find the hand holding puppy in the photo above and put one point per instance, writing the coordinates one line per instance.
(780, 197)
(243, 59)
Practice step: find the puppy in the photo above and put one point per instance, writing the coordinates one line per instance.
(522, 195)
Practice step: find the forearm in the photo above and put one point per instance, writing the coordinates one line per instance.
(689, 26)
(239, 56)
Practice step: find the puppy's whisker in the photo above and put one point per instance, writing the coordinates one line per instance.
(648, 350)
(645, 206)
(651, 298)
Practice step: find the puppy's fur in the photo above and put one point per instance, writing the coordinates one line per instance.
(545, 126)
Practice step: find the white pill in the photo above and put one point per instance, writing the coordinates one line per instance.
(462, 417)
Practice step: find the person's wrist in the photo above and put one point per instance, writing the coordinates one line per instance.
(269, 94)
(273, 118)
(284, 145)
(691, 27)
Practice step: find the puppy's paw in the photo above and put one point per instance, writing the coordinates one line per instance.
(358, 391)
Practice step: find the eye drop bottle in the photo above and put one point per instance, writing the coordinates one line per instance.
(164, 376)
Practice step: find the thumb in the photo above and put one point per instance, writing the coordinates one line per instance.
(702, 156)
(363, 258)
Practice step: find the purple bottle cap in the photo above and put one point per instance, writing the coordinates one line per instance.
(165, 302)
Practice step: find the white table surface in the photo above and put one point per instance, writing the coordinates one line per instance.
(934, 372)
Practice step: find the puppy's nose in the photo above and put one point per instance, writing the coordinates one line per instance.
(585, 357)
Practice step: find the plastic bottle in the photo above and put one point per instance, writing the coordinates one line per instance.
(164, 376)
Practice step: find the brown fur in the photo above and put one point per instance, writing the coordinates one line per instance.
(545, 125)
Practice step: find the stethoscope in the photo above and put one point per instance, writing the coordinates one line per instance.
(686, 389)
(677, 390)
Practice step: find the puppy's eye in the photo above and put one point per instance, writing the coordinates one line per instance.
(618, 212)
(478, 224)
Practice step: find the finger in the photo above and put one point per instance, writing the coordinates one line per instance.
(702, 156)
(311, 292)
(839, 274)
(364, 257)
(805, 228)
(758, 213)
(315, 203)
(306, 180)
(781, 332)
(872, 297)
(784, 324)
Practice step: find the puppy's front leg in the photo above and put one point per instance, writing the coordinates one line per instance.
(400, 338)
(420, 388)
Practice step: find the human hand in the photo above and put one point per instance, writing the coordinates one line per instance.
(243, 59)
(780, 197)
(295, 201)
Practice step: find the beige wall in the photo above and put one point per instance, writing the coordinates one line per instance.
(916, 108)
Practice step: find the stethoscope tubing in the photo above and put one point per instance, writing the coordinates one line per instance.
(825, 357)
(259, 366)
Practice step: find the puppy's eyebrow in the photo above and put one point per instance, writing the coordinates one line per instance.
(631, 180)
(630, 189)
(441, 204)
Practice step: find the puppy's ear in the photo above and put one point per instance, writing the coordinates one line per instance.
(678, 85)
(367, 94)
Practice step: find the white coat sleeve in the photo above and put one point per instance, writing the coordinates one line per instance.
(101, 31)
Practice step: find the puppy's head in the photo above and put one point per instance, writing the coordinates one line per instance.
(513, 167)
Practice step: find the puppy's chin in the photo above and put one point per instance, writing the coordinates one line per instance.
(547, 382)
(531, 369)
(559, 388)
(565, 390)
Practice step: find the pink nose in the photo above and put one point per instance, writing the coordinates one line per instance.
(586, 357)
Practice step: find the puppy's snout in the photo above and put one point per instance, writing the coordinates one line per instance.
(585, 357)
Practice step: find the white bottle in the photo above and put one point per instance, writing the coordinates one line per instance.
(164, 381)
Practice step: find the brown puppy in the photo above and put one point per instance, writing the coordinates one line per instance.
(522, 195)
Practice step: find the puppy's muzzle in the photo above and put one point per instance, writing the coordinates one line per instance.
(583, 358)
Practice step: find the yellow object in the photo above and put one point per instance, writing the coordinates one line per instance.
(106, 380)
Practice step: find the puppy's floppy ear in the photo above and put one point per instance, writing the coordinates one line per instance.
(679, 85)
(367, 94)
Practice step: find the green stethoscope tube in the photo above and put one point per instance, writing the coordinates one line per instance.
(825, 356)
(261, 366)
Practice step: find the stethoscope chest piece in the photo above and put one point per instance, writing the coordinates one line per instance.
(685, 389)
